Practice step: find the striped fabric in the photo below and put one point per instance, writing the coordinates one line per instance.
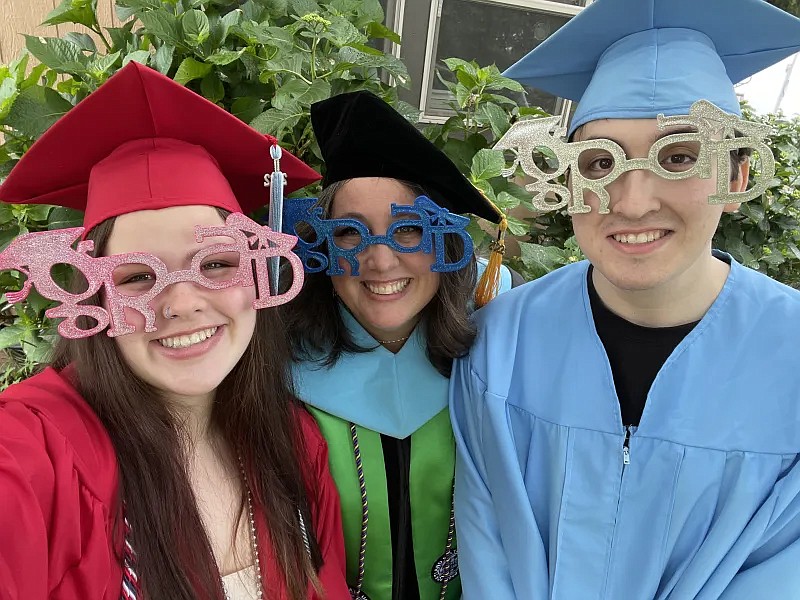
(130, 582)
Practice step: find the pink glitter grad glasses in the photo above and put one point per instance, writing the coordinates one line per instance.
(34, 254)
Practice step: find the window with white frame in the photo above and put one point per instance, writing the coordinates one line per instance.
(487, 31)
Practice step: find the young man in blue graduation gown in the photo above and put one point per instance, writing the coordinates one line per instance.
(628, 427)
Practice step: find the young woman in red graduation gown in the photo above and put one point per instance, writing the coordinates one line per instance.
(174, 464)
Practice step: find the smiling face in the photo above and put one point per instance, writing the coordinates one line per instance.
(192, 352)
(392, 288)
(658, 233)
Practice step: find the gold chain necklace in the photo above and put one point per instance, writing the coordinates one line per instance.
(402, 339)
(251, 521)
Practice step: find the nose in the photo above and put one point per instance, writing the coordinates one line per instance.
(181, 300)
(379, 257)
(633, 194)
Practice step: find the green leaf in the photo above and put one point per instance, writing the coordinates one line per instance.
(304, 7)
(195, 27)
(18, 66)
(516, 226)
(496, 81)
(342, 32)
(191, 69)
(223, 27)
(161, 24)
(276, 8)
(8, 93)
(540, 260)
(140, 56)
(122, 37)
(369, 11)
(123, 12)
(211, 87)
(224, 57)
(37, 212)
(460, 152)
(275, 37)
(288, 92)
(162, 59)
(58, 54)
(532, 111)
(409, 111)
(11, 335)
(81, 40)
(7, 234)
(466, 79)
(455, 64)
(62, 217)
(247, 108)
(318, 90)
(275, 121)
(253, 11)
(36, 349)
(352, 57)
(506, 201)
(478, 235)
(127, 8)
(487, 163)
(81, 12)
(491, 114)
(36, 109)
(290, 63)
(377, 30)
(100, 67)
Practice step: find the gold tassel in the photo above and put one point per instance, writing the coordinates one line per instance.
(489, 284)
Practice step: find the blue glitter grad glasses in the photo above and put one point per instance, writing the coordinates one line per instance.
(334, 239)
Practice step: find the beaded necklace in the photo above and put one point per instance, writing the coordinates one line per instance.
(131, 587)
(444, 570)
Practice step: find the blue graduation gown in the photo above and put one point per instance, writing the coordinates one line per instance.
(708, 504)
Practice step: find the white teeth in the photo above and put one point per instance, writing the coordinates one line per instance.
(184, 341)
(385, 289)
(640, 238)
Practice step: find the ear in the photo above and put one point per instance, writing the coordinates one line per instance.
(739, 184)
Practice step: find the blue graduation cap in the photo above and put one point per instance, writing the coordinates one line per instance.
(636, 59)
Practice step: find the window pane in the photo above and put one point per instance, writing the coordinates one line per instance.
(490, 33)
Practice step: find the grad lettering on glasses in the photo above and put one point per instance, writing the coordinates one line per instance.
(133, 280)
(421, 227)
(690, 146)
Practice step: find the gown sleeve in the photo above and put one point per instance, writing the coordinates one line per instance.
(772, 561)
(54, 520)
(26, 482)
(484, 572)
(327, 516)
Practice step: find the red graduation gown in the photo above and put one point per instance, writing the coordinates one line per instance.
(58, 494)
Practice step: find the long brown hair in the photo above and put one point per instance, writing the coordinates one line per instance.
(256, 413)
(317, 331)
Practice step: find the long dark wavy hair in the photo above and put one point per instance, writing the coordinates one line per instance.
(317, 331)
(255, 412)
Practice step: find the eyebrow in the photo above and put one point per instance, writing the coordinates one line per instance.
(675, 131)
(187, 258)
(653, 140)
(351, 215)
(359, 217)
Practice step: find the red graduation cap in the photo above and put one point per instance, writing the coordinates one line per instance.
(144, 142)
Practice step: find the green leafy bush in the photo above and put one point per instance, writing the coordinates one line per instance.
(765, 233)
(485, 107)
